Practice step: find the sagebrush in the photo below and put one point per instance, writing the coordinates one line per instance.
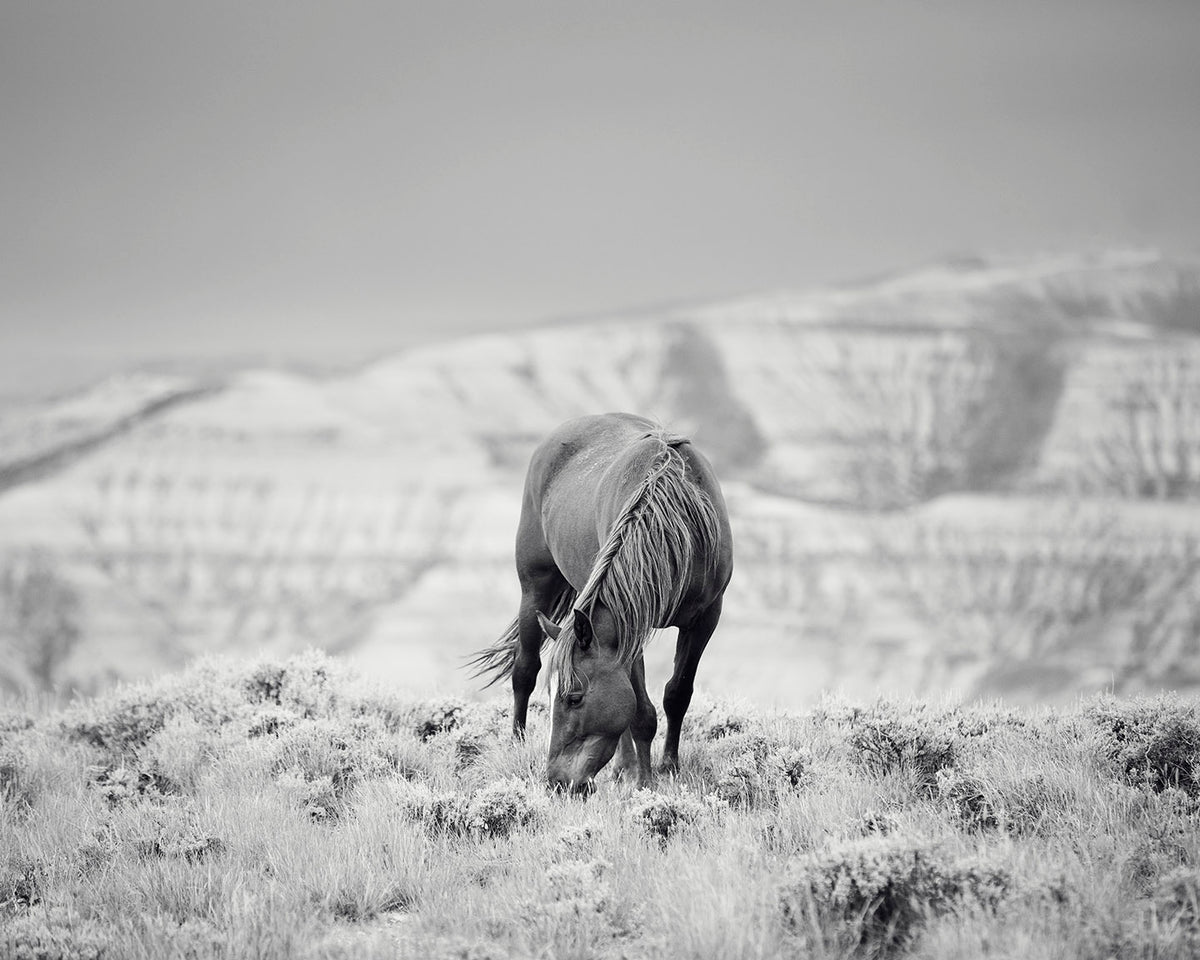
(288, 809)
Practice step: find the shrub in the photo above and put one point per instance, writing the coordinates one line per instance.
(874, 822)
(967, 797)
(212, 694)
(320, 761)
(751, 770)
(16, 788)
(52, 936)
(13, 721)
(121, 784)
(576, 839)
(21, 884)
(122, 722)
(713, 721)
(317, 796)
(1177, 897)
(1027, 804)
(165, 832)
(269, 721)
(306, 684)
(470, 742)
(887, 739)
(662, 816)
(877, 890)
(578, 886)
(347, 751)
(493, 811)
(431, 717)
(501, 807)
(179, 753)
(1155, 743)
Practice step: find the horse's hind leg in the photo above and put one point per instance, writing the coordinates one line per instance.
(693, 638)
(539, 590)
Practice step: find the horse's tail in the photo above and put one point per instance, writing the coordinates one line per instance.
(496, 661)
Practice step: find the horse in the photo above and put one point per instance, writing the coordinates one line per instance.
(623, 531)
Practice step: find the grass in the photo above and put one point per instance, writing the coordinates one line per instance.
(289, 809)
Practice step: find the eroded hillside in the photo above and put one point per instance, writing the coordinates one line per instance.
(938, 478)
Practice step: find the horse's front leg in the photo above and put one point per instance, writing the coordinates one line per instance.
(625, 762)
(693, 638)
(633, 752)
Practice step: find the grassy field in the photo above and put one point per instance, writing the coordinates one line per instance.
(288, 809)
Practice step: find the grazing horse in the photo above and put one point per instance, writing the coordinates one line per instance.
(623, 530)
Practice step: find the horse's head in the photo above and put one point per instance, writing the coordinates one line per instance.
(593, 705)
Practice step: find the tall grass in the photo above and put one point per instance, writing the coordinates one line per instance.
(288, 809)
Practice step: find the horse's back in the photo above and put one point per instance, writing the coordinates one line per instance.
(580, 477)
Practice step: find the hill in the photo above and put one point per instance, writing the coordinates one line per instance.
(978, 475)
(284, 808)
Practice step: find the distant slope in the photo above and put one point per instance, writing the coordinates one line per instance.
(374, 511)
(37, 443)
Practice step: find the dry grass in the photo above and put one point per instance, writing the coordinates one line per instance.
(287, 809)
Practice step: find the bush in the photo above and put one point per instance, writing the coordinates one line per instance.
(174, 833)
(500, 808)
(306, 685)
(212, 694)
(320, 761)
(16, 788)
(493, 811)
(968, 797)
(887, 739)
(663, 817)
(13, 721)
(710, 720)
(52, 936)
(1154, 743)
(431, 717)
(21, 883)
(576, 891)
(1177, 897)
(124, 721)
(470, 741)
(121, 784)
(750, 770)
(876, 891)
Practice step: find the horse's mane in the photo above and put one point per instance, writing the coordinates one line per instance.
(642, 568)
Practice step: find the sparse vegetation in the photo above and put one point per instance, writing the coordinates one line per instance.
(39, 622)
(1009, 602)
(288, 809)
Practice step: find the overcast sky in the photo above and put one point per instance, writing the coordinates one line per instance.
(326, 180)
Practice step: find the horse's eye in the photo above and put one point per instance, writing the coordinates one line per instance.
(574, 699)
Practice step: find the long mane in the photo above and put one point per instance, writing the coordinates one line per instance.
(642, 569)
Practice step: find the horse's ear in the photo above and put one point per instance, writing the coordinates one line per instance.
(583, 630)
(549, 627)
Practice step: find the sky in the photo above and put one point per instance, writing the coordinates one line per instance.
(324, 182)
